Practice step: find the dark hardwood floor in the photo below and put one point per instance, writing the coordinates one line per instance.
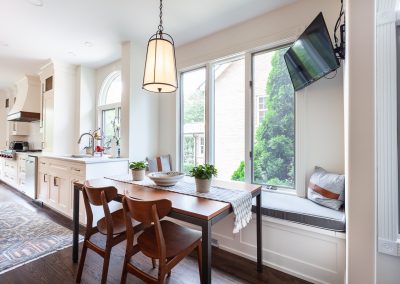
(58, 268)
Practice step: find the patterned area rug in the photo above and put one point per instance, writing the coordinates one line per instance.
(25, 236)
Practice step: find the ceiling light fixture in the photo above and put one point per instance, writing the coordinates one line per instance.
(160, 67)
(38, 3)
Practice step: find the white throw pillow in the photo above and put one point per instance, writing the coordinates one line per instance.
(326, 189)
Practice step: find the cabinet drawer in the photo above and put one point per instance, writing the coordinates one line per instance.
(43, 164)
(77, 170)
(10, 164)
(22, 159)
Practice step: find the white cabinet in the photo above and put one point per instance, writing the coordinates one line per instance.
(48, 121)
(13, 172)
(58, 107)
(10, 173)
(20, 128)
(82, 211)
(57, 178)
(1, 168)
(43, 186)
(21, 170)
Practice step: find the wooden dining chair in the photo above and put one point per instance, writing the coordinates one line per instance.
(112, 225)
(159, 164)
(163, 240)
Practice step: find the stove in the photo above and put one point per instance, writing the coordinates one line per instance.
(12, 154)
(9, 154)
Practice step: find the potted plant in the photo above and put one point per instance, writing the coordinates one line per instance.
(203, 175)
(138, 169)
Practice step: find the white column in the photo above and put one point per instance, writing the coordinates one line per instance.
(386, 128)
(359, 91)
(139, 108)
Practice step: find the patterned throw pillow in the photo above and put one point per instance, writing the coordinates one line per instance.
(326, 189)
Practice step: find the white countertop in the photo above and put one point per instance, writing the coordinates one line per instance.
(85, 160)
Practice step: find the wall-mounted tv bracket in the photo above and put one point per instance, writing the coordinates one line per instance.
(340, 48)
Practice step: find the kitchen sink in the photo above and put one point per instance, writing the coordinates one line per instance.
(79, 156)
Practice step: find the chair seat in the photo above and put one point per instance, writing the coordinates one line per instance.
(118, 223)
(177, 239)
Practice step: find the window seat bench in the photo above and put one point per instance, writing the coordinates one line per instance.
(301, 210)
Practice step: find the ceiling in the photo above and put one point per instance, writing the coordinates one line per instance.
(89, 32)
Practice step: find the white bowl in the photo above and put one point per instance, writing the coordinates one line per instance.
(166, 178)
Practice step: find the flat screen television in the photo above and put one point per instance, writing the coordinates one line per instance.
(311, 56)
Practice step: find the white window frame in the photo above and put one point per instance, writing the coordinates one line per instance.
(102, 96)
(181, 112)
(300, 105)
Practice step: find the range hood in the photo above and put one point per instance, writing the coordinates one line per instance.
(27, 104)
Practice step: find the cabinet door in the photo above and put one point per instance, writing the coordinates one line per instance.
(64, 196)
(82, 211)
(48, 117)
(44, 187)
(54, 195)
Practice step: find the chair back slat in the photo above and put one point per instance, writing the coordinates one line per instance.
(142, 210)
(94, 194)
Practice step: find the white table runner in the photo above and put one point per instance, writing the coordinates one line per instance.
(240, 200)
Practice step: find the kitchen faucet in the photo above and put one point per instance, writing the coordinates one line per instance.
(91, 141)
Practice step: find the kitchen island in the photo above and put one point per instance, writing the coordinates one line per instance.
(58, 173)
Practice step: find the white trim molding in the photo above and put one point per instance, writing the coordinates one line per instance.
(386, 130)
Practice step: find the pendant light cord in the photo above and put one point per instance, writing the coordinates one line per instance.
(160, 26)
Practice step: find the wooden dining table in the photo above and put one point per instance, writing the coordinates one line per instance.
(194, 210)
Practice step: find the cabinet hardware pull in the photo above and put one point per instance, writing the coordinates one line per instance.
(55, 181)
(77, 170)
(44, 178)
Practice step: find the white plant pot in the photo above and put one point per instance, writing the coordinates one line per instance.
(138, 174)
(203, 185)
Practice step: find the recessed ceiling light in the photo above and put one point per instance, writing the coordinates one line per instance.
(38, 3)
(71, 53)
(88, 44)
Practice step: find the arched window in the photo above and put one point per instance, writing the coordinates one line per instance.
(109, 108)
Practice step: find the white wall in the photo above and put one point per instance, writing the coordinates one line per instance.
(359, 141)
(3, 119)
(85, 119)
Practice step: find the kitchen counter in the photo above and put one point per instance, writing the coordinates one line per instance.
(83, 160)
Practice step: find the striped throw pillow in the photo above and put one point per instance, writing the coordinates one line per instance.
(326, 189)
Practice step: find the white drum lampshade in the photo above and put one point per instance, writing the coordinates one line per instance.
(160, 67)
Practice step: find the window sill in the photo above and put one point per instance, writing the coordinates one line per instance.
(280, 190)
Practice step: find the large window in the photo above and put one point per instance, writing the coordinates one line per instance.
(110, 108)
(193, 118)
(229, 118)
(214, 125)
(273, 120)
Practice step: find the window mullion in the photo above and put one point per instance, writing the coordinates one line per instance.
(209, 115)
(248, 118)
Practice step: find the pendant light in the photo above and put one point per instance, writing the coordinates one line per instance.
(160, 67)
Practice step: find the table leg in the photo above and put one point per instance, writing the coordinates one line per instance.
(75, 216)
(259, 233)
(206, 247)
